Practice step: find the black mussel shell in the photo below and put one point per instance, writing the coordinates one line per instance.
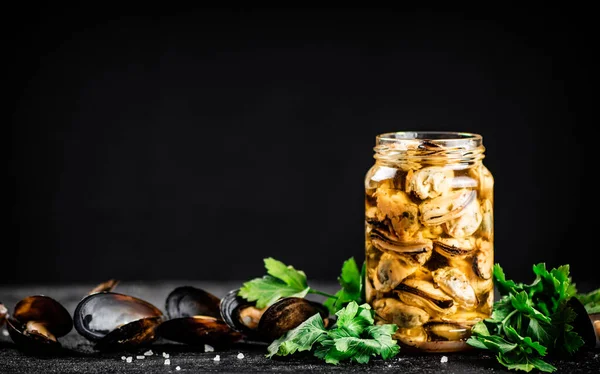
(189, 301)
(583, 323)
(231, 307)
(107, 286)
(48, 314)
(125, 318)
(46, 310)
(3, 314)
(287, 314)
(199, 330)
(31, 343)
(132, 335)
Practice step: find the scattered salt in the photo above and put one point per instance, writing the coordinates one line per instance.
(390, 365)
(444, 359)
(148, 353)
(240, 355)
(178, 368)
(129, 359)
(217, 358)
(5, 332)
(167, 362)
(165, 355)
(208, 348)
(123, 358)
(140, 357)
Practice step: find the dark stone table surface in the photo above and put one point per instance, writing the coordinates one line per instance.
(80, 356)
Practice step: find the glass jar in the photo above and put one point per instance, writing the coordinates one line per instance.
(429, 237)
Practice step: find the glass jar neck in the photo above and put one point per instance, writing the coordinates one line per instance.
(430, 148)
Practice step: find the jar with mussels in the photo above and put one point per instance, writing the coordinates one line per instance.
(429, 237)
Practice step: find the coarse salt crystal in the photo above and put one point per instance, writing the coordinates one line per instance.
(5, 332)
(129, 359)
(123, 358)
(240, 355)
(178, 368)
(165, 355)
(217, 358)
(140, 357)
(148, 353)
(167, 362)
(444, 359)
(208, 348)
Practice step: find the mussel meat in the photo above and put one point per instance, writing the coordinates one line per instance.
(195, 319)
(36, 324)
(117, 321)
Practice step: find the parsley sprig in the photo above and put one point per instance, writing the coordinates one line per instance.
(530, 321)
(353, 337)
(284, 281)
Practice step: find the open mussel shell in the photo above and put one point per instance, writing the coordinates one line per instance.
(37, 322)
(240, 314)
(199, 330)
(195, 319)
(269, 323)
(115, 320)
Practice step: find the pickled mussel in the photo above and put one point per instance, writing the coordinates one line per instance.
(429, 237)
(117, 321)
(269, 323)
(194, 318)
(36, 324)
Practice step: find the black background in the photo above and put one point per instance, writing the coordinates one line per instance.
(166, 143)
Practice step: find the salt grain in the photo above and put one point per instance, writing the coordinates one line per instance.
(167, 362)
(129, 359)
(5, 332)
(208, 348)
(217, 358)
(178, 368)
(240, 355)
(444, 359)
(140, 357)
(148, 353)
(165, 355)
(123, 358)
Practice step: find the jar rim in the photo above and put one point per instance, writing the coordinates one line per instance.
(433, 136)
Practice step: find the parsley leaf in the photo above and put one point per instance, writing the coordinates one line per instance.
(590, 300)
(299, 339)
(350, 280)
(530, 321)
(281, 281)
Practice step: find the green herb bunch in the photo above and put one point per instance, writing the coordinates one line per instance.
(530, 321)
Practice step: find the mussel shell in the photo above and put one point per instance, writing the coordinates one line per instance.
(287, 314)
(132, 335)
(31, 343)
(46, 310)
(230, 308)
(199, 330)
(3, 314)
(189, 301)
(583, 324)
(107, 286)
(99, 314)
